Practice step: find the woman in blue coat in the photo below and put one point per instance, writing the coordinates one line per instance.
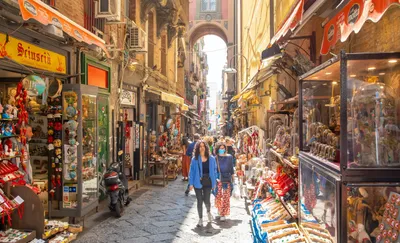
(203, 177)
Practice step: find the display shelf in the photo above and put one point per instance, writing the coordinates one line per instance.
(250, 186)
(284, 160)
(9, 158)
(322, 161)
(8, 120)
(12, 136)
(292, 212)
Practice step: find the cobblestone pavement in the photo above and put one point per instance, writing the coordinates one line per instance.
(159, 214)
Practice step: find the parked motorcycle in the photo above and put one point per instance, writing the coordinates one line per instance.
(117, 188)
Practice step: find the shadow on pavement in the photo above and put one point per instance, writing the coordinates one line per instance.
(208, 230)
(229, 223)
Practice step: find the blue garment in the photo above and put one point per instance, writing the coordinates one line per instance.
(190, 148)
(226, 167)
(226, 164)
(195, 174)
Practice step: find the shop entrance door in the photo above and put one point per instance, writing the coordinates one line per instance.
(130, 139)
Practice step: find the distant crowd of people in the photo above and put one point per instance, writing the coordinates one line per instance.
(208, 166)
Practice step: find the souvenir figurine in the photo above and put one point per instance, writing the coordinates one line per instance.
(1, 108)
(7, 112)
(71, 125)
(70, 111)
(58, 151)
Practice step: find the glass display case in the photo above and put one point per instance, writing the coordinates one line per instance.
(350, 129)
(79, 178)
(373, 212)
(319, 201)
(352, 106)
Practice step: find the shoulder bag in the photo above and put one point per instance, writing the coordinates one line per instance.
(205, 180)
(224, 177)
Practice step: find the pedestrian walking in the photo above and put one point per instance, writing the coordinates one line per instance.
(189, 152)
(202, 178)
(231, 149)
(185, 159)
(224, 181)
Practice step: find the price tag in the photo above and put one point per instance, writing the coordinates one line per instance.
(19, 200)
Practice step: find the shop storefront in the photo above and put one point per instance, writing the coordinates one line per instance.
(45, 171)
(330, 169)
(38, 69)
(133, 132)
(164, 151)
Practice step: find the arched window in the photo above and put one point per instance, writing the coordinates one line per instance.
(208, 5)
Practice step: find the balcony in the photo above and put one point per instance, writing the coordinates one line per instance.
(94, 25)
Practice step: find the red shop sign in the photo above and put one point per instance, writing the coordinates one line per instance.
(351, 18)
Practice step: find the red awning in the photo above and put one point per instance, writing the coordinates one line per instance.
(351, 18)
(41, 12)
(290, 23)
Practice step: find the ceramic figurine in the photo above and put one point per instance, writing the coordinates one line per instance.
(7, 112)
(7, 130)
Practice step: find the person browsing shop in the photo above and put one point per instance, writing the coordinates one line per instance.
(202, 178)
(224, 181)
(185, 159)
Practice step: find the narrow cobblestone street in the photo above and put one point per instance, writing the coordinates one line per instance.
(159, 214)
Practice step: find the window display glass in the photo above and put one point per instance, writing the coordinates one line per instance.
(373, 110)
(321, 123)
(373, 213)
(103, 126)
(318, 204)
(89, 186)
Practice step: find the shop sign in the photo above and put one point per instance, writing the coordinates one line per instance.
(31, 55)
(128, 98)
(44, 14)
(351, 18)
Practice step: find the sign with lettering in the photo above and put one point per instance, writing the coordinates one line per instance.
(31, 55)
(351, 18)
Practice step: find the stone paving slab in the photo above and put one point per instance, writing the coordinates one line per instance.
(165, 214)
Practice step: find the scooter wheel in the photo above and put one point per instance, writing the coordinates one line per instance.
(119, 208)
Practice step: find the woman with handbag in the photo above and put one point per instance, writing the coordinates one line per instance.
(224, 181)
(202, 177)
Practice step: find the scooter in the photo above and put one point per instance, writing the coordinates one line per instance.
(117, 188)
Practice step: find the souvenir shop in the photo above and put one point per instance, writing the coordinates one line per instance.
(330, 168)
(164, 150)
(133, 132)
(45, 172)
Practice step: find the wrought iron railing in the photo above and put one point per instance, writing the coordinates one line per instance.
(91, 23)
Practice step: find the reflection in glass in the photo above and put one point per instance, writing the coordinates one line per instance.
(89, 134)
(373, 113)
(318, 200)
